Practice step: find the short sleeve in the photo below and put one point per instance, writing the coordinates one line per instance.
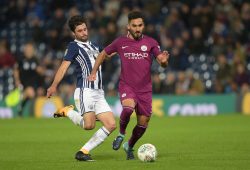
(155, 50)
(111, 48)
(71, 52)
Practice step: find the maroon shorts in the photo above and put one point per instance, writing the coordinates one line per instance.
(143, 100)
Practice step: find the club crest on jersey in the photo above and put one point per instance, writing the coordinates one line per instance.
(93, 53)
(124, 95)
(144, 48)
(91, 107)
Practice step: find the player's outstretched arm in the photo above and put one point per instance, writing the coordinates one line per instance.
(58, 77)
(99, 60)
(162, 58)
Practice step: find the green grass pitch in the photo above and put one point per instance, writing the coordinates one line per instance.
(212, 142)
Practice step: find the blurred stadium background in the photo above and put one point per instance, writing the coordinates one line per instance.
(208, 74)
(209, 43)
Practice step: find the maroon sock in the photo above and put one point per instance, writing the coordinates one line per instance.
(124, 119)
(138, 131)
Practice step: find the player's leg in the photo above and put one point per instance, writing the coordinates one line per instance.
(108, 121)
(128, 101)
(81, 103)
(104, 114)
(138, 131)
(128, 106)
(89, 120)
(84, 103)
(102, 133)
(143, 112)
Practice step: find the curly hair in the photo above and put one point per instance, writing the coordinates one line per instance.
(75, 21)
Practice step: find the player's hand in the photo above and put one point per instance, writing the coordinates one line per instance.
(50, 91)
(92, 77)
(163, 58)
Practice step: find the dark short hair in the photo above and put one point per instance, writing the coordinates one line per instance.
(75, 21)
(135, 15)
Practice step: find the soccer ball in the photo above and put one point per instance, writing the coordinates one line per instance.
(147, 153)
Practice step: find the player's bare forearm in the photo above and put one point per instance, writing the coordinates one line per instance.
(60, 73)
(58, 77)
(99, 60)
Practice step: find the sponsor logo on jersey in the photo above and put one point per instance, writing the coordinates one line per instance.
(136, 55)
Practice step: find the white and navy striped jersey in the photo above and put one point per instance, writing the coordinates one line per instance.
(83, 55)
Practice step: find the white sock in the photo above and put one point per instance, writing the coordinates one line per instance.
(76, 118)
(96, 139)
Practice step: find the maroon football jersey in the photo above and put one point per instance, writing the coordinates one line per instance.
(136, 60)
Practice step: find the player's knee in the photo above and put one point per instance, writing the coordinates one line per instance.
(145, 126)
(89, 126)
(127, 110)
(126, 113)
(111, 126)
(143, 123)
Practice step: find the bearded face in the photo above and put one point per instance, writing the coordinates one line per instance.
(135, 28)
(81, 32)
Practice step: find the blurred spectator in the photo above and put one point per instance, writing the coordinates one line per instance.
(34, 11)
(173, 25)
(7, 60)
(150, 30)
(123, 20)
(73, 11)
(196, 87)
(245, 16)
(182, 84)
(241, 77)
(224, 73)
(14, 11)
(156, 84)
(54, 33)
(179, 59)
(111, 7)
(197, 45)
(111, 32)
(29, 75)
(168, 86)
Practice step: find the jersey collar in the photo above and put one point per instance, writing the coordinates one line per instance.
(87, 42)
